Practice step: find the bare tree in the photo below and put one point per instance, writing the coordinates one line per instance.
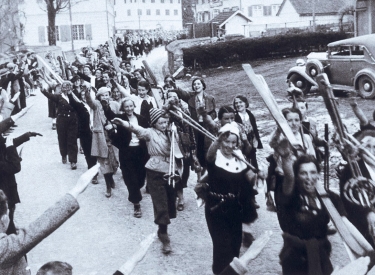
(53, 7)
(10, 27)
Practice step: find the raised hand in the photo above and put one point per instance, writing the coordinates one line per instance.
(84, 180)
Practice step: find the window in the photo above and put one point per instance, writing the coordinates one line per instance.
(139, 12)
(257, 11)
(129, 12)
(157, 12)
(39, 1)
(162, 1)
(175, 12)
(148, 12)
(215, 12)
(171, 1)
(143, 1)
(179, 1)
(78, 32)
(203, 1)
(152, 1)
(236, 8)
(124, 1)
(115, 13)
(166, 12)
(267, 11)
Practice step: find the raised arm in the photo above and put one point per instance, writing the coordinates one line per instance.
(141, 132)
(211, 153)
(90, 99)
(182, 94)
(125, 92)
(17, 245)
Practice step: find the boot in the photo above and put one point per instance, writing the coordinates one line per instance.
(163, 237)
(107, 178)
(166, 248)
(137, 210)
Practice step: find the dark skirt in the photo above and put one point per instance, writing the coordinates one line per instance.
(225, 227)
(294, 256)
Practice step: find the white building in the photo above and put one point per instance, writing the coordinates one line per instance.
(93, 22)
(259, 11)
(299, 13)
(148, 14)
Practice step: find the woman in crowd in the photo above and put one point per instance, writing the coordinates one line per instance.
(229, 199)
(275, 176)
(199, 99)
(66, 123)
(302, 216)
(247, 119)
(132, 152)
(101, 144)
(84, 126)
(143, 102)
(162, 194)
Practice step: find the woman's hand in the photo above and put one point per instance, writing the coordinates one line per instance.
(120, 122)
(108, 127)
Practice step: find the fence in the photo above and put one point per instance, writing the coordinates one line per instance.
(257, 30)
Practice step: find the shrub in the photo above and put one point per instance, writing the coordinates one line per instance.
(246, 49)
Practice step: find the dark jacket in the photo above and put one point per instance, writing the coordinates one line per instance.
(189, 98)
(10, 164)
(63, 106)
(83, 116)
(122, 137)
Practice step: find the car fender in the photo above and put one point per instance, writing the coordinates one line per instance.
(301, 70)
(368, 71)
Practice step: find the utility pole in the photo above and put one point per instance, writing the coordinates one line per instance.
(313, 15)
(71, 25)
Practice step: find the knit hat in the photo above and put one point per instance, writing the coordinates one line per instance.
(102, 91)
(155, 114)
(230, 127)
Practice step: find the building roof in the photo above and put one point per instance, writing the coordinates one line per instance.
(322, 7)
(222, 18)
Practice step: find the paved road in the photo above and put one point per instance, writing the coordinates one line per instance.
(104, 233)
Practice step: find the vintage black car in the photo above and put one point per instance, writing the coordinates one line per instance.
(349, 65)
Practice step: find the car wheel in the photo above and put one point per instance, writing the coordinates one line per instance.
(300, 82)
(314, 67)
(366, 87)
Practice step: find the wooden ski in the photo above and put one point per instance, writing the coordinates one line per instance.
(268, 98)
(156, 95)
(48, 67)
(112, 51)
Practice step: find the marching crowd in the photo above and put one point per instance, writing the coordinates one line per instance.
(156, 140)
